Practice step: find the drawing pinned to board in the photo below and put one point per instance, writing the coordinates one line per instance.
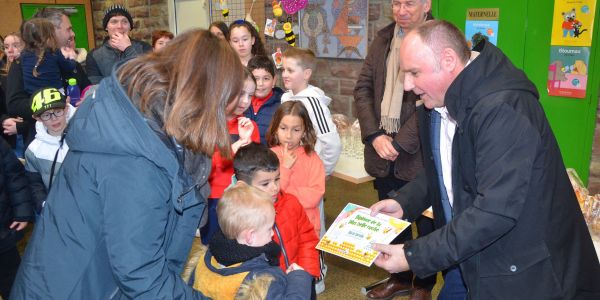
(573, 22)
(568, 71)
(335, 28)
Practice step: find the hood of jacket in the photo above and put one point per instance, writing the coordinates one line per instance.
(109, 123)
(490, 72)
(310, 91)
(42, 132)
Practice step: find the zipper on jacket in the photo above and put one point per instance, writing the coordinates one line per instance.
(285, 257)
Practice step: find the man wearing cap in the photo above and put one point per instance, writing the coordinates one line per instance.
(117, 46)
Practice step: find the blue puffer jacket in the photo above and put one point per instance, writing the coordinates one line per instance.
(120, 218)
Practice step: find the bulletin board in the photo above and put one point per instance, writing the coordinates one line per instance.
(11, 17)
(77, 15)
(238, 10)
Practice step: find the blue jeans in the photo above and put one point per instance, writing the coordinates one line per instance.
(454, 287)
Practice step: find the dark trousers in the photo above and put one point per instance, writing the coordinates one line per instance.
(384, 185)
(9, 264)
(454, 286)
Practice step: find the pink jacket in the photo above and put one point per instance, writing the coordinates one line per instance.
(306, 181)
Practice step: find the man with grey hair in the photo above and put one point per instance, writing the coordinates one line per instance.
(388, 127)
(506, 215)
(62, 24)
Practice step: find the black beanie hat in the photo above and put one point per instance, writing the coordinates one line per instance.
(116, 10)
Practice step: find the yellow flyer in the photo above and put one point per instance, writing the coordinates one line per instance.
(351, 234)
(573, 22)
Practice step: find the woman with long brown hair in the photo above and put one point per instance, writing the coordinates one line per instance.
(120, 219)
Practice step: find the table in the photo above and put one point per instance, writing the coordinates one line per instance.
(351, 169)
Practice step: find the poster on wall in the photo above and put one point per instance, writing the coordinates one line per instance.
(573, 22)
(482, 24)
(568, 71)
(336, 29)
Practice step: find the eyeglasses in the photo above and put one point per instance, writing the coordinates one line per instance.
(48, 115)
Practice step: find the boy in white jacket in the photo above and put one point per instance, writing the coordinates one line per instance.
(47, 151)
(298, 65)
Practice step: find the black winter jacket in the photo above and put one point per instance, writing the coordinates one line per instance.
(15, 198)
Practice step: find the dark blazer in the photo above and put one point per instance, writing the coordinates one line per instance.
(517, 230)
(368, 94)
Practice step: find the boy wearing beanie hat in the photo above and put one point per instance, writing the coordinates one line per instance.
(117, 45)
(46, 152)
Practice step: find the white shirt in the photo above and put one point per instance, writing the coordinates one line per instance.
(447, 130)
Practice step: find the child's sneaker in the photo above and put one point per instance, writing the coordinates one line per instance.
(320, 286)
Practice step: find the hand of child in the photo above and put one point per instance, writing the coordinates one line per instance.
(10, 125)
(289, 157)
(18, 226)
(245, 129)
(119, 41)
(68, 53)
(293, 267)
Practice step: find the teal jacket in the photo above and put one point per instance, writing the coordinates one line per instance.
(120, 218)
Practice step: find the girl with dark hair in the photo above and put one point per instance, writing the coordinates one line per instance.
(245, 40)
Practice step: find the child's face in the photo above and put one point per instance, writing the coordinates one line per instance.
(161, 43)
(217, 32)
(241, 40)
(267, 182)
(264, 234)
(13, 47)
(55, 120)
(295, 78)
(245, 97)
(290, 131)
(265, 82)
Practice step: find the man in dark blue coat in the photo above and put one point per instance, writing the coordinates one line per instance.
(508, 221)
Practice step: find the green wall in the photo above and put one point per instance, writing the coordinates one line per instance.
(524, 32)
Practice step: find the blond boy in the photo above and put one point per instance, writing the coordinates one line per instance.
(243, 250)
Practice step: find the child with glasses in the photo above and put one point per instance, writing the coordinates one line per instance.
(46, 152)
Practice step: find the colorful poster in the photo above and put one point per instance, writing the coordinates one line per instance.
(573, 22)
(568, 71)
(482, 24)
(334, 28)
(351, 234)
(481, 29)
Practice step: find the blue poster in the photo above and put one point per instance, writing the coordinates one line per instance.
(475, 30)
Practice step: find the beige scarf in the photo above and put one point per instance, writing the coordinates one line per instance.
(391, 104)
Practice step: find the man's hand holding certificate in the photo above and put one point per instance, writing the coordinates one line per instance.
(354, 230)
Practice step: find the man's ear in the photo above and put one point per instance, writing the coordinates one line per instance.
(449, 60)
(36, 118)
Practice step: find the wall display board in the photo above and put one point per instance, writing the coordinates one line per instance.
(333, 28)
(77, 15)
(572, 26)
(526, 33)
(482, 23)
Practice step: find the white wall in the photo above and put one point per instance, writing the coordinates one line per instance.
(186, 14)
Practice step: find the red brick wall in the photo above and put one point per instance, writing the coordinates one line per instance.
(148, 15)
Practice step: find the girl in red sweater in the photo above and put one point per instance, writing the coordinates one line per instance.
(242, 131)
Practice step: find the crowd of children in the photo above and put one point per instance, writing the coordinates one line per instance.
(265, 209)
